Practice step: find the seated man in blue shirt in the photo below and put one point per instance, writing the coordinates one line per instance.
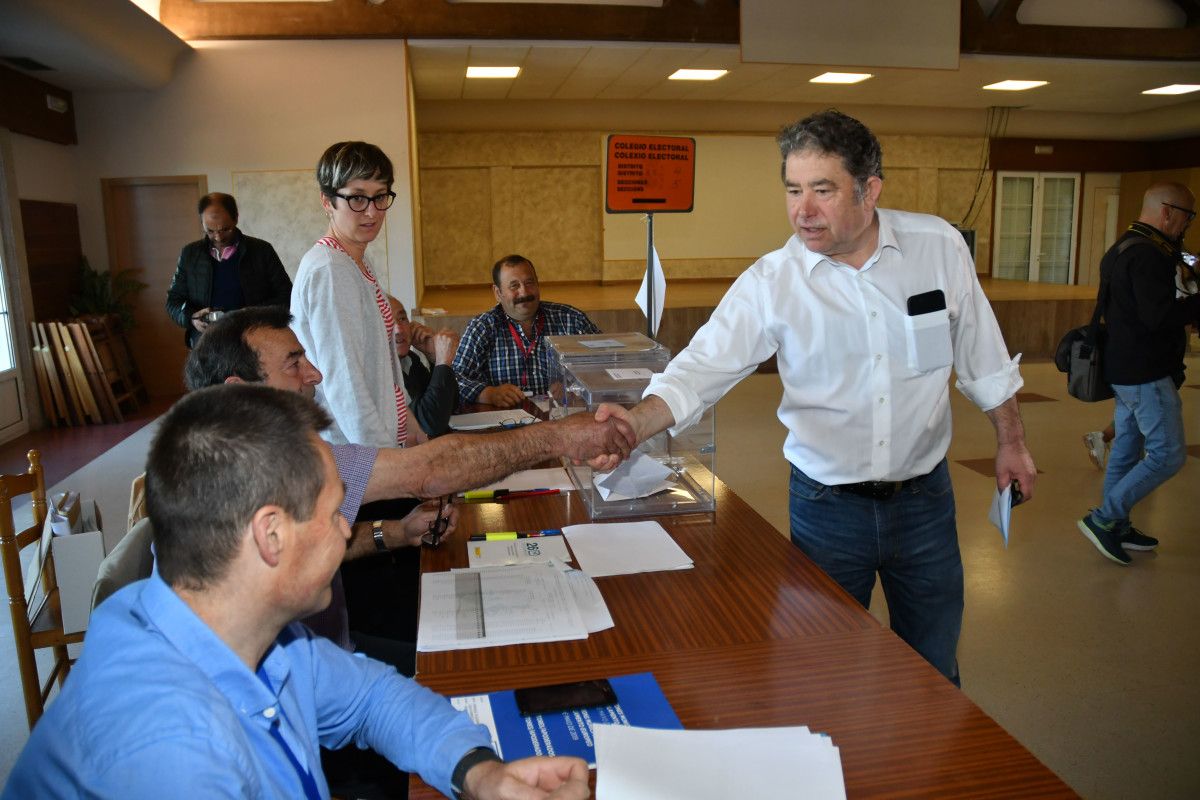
(197, 682)
(503, 354)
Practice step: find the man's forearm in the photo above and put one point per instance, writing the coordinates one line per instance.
(457, 461)
(1006, 419)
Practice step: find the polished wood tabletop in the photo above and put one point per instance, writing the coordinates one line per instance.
(755, 635)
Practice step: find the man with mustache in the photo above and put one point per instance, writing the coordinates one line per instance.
(502, 354)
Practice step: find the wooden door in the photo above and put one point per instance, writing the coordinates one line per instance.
(149, 220)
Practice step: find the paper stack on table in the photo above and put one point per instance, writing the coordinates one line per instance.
(624, 548)
(481, 420)
(716, 765)
(466, 609)
(526, 479)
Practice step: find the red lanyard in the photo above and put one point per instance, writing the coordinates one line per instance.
(527, 351)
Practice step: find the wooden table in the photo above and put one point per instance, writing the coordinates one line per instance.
(755, 635)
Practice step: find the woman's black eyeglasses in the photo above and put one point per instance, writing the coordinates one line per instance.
(358, 202)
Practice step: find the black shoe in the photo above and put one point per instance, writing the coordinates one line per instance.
(1133, 539)
(1107, 540)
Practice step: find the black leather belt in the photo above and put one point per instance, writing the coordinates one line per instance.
(876, 490)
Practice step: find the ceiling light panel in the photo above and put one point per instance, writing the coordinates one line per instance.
(1175, 88)
(697, 74)
(841, 77)
(493, 72)
(1014, 86)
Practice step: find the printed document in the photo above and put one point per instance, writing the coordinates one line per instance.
(467, 609)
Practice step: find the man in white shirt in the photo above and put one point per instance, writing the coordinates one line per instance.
(867, 311)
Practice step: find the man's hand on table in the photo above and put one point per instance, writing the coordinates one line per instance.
(552, 778)
(503, 396)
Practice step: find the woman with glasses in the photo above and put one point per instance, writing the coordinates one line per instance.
(342, 316)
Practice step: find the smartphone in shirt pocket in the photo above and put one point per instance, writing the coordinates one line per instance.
(927, 331)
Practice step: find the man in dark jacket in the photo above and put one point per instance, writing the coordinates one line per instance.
(224, 271)
(1144, 364)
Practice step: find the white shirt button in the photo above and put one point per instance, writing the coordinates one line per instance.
(269, 713)
(882, 442)
(882, 400)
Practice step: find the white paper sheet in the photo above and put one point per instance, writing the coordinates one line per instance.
(592, 608)
(638, 476)
(624, 548)
(549, 478)
(716, 765)
(536, 550)
(466, 609)
(1000, 513)
(491, 419)
(660, 292)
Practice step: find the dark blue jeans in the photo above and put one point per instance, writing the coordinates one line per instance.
(910, 540)
(1147, 417)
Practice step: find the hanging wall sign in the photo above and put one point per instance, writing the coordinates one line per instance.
(650, 174)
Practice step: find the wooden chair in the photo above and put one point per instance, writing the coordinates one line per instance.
(45, 630)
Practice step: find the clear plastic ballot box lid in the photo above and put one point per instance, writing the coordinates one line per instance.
(606, 347)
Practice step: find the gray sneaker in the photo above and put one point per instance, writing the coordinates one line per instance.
(1106, 539)
(1096, 449)
(1133, 539)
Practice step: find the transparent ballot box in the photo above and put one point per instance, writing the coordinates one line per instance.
(601, 350)
(667, 475)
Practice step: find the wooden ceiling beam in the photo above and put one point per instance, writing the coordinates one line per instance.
(704, 21)
(1001, 34)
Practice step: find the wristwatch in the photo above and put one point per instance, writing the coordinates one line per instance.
(475, 756)
(377, 532)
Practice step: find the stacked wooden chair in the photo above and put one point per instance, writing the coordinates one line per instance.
(85, 371)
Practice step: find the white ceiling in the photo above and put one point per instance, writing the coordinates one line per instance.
(608, 71)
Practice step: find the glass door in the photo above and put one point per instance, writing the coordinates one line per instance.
(1036, 226)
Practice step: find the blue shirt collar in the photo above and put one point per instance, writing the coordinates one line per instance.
(187, 633)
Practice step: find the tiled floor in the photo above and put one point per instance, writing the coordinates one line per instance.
(1089, 664)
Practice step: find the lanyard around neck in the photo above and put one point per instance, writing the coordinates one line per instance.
(526, 350)
(311, 792)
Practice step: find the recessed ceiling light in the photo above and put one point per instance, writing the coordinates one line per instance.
(1175, 88)
(697, 74)
(841, 77)
(1015, 86)
(493, 72)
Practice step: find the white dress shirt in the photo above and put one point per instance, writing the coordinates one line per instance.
(855, 408)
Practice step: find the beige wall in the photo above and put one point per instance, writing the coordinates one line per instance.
(486, 194)
(240, 108)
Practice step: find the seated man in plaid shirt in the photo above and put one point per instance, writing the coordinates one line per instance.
(502, 354)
